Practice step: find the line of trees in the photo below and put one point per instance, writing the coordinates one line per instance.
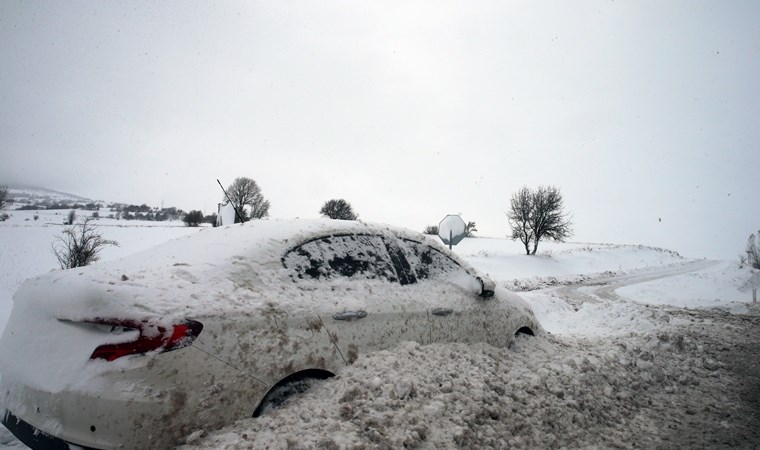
(533, 215)
(536, 214)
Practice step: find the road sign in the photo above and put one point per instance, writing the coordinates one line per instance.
(451, 230)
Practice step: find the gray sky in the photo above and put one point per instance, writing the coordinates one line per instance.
(637, 110)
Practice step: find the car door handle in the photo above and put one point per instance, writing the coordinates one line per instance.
(442, 311)
(350, 315)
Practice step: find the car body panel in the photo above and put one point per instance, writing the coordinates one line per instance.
(97, 415)
(281, 343)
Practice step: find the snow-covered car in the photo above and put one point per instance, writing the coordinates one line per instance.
(201, 331)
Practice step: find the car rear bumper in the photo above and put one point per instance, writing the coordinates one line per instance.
(91, 419)
(35, 438)
(152, 406)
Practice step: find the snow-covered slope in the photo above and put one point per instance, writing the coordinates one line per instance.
(27, 195)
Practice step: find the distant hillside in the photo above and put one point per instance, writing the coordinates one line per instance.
(22, 195)
(33, 198)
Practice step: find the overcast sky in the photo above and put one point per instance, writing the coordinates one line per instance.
(644, 113)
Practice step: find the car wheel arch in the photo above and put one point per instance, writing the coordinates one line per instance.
(294, 384)
(524, 330)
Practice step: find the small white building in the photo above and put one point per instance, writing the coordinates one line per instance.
(225, 214)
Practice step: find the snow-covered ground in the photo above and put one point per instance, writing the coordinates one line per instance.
(646, 349)
(26, 244)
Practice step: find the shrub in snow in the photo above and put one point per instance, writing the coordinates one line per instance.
(211, 219)
(193, 218)
(338, 209)
(431, 229)
(79, 245)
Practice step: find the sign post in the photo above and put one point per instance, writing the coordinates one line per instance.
(451, 230)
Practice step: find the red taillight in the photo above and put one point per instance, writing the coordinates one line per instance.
(152, 337)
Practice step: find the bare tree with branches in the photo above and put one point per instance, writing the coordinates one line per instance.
(3, 196)
(338, 209)
(79, 245)
(548, 219)
(518, 216)
(245, 192)
(536, 215)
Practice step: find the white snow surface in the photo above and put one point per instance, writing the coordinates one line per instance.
(720, 286)
(603, 305)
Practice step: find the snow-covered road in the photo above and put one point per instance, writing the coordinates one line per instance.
(591, 291)
(607, 304)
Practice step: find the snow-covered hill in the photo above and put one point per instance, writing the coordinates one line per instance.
(21, 195)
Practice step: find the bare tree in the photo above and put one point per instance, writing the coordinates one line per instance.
(3, 196)
(536, 215)
(245, 192)
(79, 245)
(338, 209)
(518, 216)
(548, 220)
(470, 229)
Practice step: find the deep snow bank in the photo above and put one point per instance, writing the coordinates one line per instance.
(647, 377)
(540, 393)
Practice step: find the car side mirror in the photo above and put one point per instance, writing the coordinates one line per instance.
(487, 287)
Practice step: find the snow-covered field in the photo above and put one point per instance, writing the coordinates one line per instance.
(646, 349)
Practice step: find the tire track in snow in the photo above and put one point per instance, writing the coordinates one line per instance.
(607, 291)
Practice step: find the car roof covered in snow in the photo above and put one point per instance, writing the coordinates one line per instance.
(214, 270)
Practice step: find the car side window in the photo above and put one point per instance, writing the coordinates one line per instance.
(347, 256)
(400, 261)
(429, 262)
